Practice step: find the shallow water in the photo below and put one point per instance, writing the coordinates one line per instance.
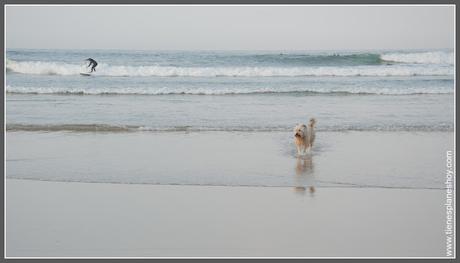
(338, 159)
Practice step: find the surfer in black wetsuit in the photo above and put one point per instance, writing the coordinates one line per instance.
(92, 64)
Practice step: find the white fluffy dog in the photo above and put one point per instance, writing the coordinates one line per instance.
(304, 136)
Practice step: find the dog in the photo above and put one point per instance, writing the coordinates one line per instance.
(304, 136)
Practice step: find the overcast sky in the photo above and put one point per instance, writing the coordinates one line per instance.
(230, 27)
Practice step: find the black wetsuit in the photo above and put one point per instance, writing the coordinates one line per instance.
(92, 64)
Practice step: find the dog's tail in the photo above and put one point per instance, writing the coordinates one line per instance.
(312, 122)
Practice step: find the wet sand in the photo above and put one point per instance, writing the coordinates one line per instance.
(360, 194)
(87, 219)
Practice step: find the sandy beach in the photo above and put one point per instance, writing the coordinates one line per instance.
(51, 219)
(143, 194)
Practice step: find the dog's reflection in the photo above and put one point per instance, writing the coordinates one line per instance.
(304, 175)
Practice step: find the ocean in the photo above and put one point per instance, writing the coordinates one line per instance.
(143, 92)
(255, 91)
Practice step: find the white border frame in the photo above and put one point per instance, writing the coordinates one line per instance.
(223, 5)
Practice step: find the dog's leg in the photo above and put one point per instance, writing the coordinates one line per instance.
(299, 150)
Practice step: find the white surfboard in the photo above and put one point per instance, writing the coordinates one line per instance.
(84, 70)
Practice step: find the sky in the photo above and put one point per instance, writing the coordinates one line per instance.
(230, 27)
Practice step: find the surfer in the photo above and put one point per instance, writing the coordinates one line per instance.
(92, 64)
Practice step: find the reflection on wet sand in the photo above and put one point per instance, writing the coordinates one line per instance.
(304, 175)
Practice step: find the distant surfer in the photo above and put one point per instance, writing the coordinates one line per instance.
(92, 64)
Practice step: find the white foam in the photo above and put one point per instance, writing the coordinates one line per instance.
(56, 68)
(230, 90)
(136, 128)
(42, 68)
(436, 57)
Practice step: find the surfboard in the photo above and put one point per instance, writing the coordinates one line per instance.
(85, 74)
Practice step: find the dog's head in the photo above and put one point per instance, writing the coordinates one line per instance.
(299, 130)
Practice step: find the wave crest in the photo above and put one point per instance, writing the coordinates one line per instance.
(421, 57)
(65, 69)
(228, 91)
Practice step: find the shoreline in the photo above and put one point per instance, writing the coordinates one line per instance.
(256, 186)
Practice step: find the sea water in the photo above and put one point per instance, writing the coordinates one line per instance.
(230, 91)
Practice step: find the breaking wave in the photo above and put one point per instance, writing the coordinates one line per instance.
(65, 69)
(436, 57)
(307, 90)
